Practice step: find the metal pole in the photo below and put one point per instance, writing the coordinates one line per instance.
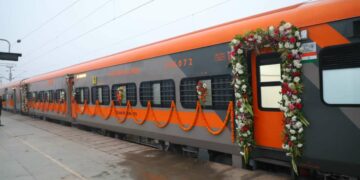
(7, 42)
(10, 73)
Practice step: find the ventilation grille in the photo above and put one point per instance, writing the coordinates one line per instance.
(343, 56)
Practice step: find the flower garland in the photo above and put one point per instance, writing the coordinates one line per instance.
(62, 96)
(285, 39)
(201, 89)
(24, 105)
(120, 94)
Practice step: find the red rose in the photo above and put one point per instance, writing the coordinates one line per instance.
(292, 40)
(283, 39)
(291, 107)
(285, 85)
(244, 129)
(233, 53)
(296, 74)
(286, 138)
(289, 56)
(238, 104)
(283, 91)
(298, 105)
(295, 92)
(291, 143)
(276, 31)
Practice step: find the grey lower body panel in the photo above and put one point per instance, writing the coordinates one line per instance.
(169, 133)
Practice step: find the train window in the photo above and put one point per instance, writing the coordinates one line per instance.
(219, 91)
(269, 81)
(40, 96)
(159, 93)
(82, 94)
(60, 95)
(34, 96)
(29, 96)
(101, 94)
(222, 91)
(46, 96)
(339, 72)
(270, 73)
(51, 96)
(121, 93)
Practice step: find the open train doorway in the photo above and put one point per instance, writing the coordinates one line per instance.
(70, 91)
(24, 103)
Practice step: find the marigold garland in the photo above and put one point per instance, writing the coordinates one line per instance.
(284, 39)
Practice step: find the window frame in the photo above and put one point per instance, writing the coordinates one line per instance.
(45, 98)
(30, 96)
(266, 59)
(40, 96)
(102, 103)
(162, 104)
(323, 67)
(85, 98)
(113, 96)
(51, 96)
(57, 95)
(199, 78)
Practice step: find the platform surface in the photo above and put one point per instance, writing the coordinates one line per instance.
(33, 149)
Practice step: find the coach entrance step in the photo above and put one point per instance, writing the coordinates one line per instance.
(36, 149)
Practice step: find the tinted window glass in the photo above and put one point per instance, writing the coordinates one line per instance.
(101, 94)
(159, 93)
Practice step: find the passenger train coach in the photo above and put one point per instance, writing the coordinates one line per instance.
(151, 92)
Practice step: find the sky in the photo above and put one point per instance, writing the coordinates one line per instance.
(59, 33)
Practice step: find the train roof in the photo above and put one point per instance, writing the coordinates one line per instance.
(301, 15)
(11, 84)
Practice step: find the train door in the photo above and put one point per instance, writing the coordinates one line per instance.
(266, 86)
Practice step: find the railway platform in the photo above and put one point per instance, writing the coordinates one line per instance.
(35, 149)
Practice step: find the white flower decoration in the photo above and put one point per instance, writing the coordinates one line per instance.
(243, 87)
(300, 130)
(287, 25)
(235, 41)
(296, 79)
(298, 124)
(292, 138)
(204, 85)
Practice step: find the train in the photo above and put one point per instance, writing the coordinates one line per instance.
(151, 92)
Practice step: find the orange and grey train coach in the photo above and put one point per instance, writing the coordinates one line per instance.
(150, 92)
